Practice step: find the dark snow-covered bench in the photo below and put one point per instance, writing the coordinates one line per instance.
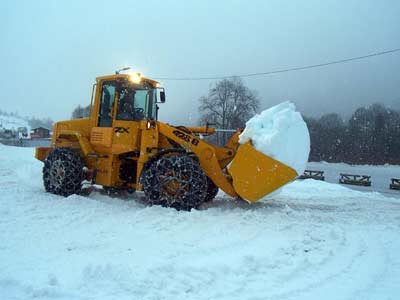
(395, 185)
(312, 174)
(353, 179)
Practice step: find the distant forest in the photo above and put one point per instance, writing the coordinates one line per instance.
(370, 136)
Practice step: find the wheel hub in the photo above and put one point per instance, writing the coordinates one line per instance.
(170, 183)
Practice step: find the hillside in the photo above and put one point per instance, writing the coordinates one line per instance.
(13, 122)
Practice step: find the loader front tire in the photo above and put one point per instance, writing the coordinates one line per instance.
(212, 190)
(175, 181)
(63, 172)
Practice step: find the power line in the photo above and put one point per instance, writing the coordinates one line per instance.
(335, 62)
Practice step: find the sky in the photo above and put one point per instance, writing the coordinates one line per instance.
(52, 51)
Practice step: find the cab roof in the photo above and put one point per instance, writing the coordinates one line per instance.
(154, 83)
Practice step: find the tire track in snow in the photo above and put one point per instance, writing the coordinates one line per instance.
(351, 263)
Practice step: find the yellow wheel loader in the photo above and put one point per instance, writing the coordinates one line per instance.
(122, 146)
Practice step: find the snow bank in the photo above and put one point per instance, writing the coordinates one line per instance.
(281, 133)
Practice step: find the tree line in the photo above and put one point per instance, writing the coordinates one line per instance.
(370, 136)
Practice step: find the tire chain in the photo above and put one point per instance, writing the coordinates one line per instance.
(179, 170)
(212, 190)
(63, 172)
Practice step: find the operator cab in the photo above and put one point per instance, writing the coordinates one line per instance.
(125, 98)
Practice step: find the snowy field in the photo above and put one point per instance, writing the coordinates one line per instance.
(315, 240)
(380, 175)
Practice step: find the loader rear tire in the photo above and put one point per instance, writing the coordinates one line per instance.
(63, 172)
(175, 181)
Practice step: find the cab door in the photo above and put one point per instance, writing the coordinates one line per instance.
(101, 136)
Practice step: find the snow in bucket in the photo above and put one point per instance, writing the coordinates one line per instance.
(281, 133)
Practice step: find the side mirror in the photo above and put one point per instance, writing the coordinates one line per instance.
(162, 96)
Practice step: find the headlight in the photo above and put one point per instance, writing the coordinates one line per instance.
(135, 77)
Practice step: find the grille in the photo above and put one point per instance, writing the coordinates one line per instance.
(97, 137)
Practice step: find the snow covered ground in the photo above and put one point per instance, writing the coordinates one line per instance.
(380, 175)
(315, 240)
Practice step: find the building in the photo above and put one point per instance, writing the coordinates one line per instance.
(40, 133)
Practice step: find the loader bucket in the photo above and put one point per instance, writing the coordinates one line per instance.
(256, 175)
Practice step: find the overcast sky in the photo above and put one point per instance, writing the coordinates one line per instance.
(51, 51)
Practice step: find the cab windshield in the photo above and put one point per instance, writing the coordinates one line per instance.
(136, 102)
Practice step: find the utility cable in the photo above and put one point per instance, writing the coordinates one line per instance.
(335, 62)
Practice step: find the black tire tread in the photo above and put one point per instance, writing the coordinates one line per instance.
(212, 190)
(68, 183)
(191, 194)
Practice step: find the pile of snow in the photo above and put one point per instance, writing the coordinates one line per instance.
(281, 133)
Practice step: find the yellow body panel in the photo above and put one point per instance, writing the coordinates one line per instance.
(256, 175)
(101, 136)
(42, 152)
(127, 139)
(82, 126)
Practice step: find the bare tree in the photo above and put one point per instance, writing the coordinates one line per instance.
(229, 105)
(80, 112)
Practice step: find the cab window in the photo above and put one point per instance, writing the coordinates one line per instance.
(126, 108)
(133, 104)
(106, 104)
(141, 102)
